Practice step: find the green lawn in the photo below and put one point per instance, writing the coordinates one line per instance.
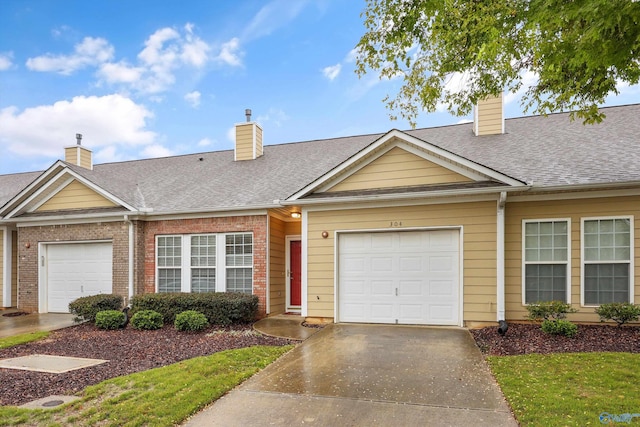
(570, 389)
(158, 397)
(22, 339)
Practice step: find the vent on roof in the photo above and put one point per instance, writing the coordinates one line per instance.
(78, 155)
(248, 139)
(488, 117)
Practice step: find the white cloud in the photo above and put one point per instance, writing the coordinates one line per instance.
(274, 115)
(120, 72)
(104, 121)
(272, 16)
(195, 52)
(90, 52)
(193, 98)
(156, 150)
(6, 61)
(205, 142)
(230, 53)
(332, 71)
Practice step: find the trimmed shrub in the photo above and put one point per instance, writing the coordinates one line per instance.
(560, 327)
(86, 308)
(220, 308)
(191, 321)
(110, 319)
(619, 312)
(147, 320)
(549, 310)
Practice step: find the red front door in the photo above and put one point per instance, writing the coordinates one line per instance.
(295, 273)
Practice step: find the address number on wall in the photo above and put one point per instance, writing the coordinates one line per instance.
(395, 223)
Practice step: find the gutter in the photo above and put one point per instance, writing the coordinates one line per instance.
(131, 257)
(500, 298)
(403, 196)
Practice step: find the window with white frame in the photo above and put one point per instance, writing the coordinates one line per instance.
(546, 247)
(239, 260)
(198, 263)
(606, 260)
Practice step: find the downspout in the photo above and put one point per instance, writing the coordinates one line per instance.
(500, 260)
(131, 248)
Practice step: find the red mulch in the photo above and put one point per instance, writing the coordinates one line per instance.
(527, 338)
(128, 350)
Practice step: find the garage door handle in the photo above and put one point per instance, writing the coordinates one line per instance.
(81, 288)
(396, 291)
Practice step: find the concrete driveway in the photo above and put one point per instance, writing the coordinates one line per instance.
(369, 375)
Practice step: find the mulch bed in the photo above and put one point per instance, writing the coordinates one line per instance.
(128, 350)
(528, 338)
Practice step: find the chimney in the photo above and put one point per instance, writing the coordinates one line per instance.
(488, 116)
(248, 139)
(78, 155)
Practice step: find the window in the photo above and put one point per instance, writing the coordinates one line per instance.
(606, 258)
(197, 263)
(546, 248)
(239, 259)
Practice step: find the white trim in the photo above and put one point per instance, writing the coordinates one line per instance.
(390, 136)
(523, 261)
(631, 255)
(7, 243)
(131, 259)
(55, 191)
(305, 251)
(43, 285)
(421, 198)
(590, 191)
(336, 256)
(500, 253)
(288, 239)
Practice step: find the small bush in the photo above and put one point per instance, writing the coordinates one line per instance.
(86, 308)
(147, 320)
(220, 308)
(560, 327)
(110, 319)
(549, 310)
(191, 321)
(619, 312)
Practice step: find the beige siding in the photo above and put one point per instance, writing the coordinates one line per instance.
(489, 116)
(75, 196)
(277, 279)
(248, 136)
(14, 268)
(85, 158)
(575, 210)
(478, 220)
(71, 155)
(398, 168)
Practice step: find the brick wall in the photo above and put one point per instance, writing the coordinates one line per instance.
(255, 223)
(117, 232)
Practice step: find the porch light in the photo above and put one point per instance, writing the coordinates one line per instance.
(296, 215)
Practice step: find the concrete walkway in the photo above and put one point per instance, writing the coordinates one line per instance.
(284, 326)
(33, 322)
(366, 375)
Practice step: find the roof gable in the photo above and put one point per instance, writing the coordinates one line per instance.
(60, 188)
(383, 164)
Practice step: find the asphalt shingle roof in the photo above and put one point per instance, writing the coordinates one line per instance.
(545, 151)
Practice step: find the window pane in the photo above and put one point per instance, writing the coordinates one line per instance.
(203, 280)
(239, 280)
(239, 250)
(546, 241)
(203, 251)
(169, 251)
(605, 283)
(169, 280)
(545, 282)
(622, 225)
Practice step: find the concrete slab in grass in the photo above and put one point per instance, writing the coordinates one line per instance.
(51, 364)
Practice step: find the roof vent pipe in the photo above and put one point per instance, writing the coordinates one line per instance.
(247, 113)
(79, 138)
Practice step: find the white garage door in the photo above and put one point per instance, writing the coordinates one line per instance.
(407, 277)
(76, 270)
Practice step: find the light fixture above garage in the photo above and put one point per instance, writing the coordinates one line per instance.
(296, 215)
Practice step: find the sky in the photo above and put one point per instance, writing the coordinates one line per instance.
(141, 79)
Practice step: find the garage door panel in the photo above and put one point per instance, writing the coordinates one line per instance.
(77, 270)
(414, 281)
